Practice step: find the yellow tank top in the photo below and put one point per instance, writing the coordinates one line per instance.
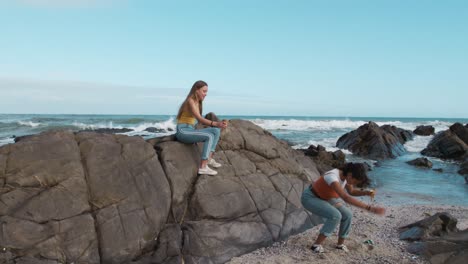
(186, 118)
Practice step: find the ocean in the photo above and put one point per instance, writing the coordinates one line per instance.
(396, 182)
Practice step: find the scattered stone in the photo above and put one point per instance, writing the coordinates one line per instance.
(421, 162)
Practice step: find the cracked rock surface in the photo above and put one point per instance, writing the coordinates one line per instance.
(103, 198)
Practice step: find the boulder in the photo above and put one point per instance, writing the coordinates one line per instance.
(420, 162)
(438, 239)
(449, 144)
(434, 226)
(424, 130)
(461, 131)
(92, 197)
(374, 142)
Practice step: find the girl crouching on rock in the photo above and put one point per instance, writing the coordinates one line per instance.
(191, 110)
(326, 197)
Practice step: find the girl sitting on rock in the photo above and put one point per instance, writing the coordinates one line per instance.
(326, 197)
(191, 110)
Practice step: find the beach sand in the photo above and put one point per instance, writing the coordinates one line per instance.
(382, 230)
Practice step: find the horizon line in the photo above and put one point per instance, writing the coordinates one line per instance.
(312, 116)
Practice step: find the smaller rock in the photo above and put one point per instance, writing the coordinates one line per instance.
(155, 130)
(424, 130)
(311, 151)
(108, 130)
(421, 162)
(438, 170)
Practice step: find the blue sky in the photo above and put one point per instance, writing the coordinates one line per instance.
(314, 58)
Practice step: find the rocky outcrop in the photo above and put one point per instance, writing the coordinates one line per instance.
(374, 142)
(103, 198)
(325, 160)
(424, 130)
(420, 162)
(449, 144)
(438, 239)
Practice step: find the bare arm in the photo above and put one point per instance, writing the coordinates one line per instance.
(349, 199)
(196, 113)
(356, 192)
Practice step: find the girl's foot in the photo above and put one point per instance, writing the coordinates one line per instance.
(213, 163)
(317, 248)
(207, 171)
(342, 247)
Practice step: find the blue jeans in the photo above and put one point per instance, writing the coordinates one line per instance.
(209, 136)
(331, 211)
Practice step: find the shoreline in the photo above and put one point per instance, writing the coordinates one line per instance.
(382, 230)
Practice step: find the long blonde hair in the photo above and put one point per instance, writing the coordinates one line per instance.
(192, 94)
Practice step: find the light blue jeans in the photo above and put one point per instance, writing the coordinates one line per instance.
(209, 136)
(331, 211)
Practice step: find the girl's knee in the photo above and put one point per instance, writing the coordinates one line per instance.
(346, 215)
(336, 217)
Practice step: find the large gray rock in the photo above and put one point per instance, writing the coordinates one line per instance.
(84, 198)
(449, 144)
(102, 198)
(374, 142)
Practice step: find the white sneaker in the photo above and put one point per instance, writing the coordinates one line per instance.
(342, 247)
(317, 248)
(213, 163)
(207, 171)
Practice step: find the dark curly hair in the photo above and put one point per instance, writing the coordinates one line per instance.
(358, 171)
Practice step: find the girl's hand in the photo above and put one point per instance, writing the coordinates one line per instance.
(377, 210)
(220, 124)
